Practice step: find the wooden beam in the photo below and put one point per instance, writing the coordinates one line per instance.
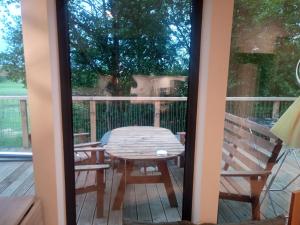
(41, 57)
(157, 113)
(215, 50)
(294, 216)
(276, 110)
(25, 127)
(93, 121)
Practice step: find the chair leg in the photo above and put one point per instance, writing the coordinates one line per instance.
(100, 193)
(255, 208)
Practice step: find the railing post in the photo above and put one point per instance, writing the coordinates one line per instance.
(93, 120)
(24, 119)
(157, 113)
(276, 108)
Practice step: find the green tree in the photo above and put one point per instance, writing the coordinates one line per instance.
(122, 38)
(114, 37)
(277, 73)
(12, 58)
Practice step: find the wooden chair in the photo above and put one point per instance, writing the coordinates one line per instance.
(249, 153)
(84, 157)
(89, 171)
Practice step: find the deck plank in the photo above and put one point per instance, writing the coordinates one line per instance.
(130, 207)
(156, 207)
(177, 184)
(6, 168)
(30, 191)
(88, 209)
(171, 213)
(13, 177)
(18, 182)
(115, 216)
(226, 214)
(79, 204)
(25, 186)
(107, 197)
(146, 202)
(142, 201)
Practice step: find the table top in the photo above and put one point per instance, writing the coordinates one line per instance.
(141, 142)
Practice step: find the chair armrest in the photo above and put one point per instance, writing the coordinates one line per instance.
(92, 167)
(81, 134)
(89, 149)
(245, 173)
(89, 144)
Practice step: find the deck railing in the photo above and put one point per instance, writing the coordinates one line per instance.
(96, 115)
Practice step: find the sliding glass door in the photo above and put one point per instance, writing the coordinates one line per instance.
(16, 169)
(130, 67)
(262, 85)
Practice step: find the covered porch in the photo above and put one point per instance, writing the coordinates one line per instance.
(146, 202)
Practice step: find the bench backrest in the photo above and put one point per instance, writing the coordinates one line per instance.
(248, 145)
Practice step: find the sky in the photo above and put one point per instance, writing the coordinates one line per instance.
(14, 10)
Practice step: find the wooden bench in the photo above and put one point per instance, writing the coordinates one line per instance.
(249, 153)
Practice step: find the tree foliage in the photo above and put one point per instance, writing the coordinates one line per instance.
(12, 58)
(277, 72)
(119, 38)
(122, 38)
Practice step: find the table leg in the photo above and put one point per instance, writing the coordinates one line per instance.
(163, 168)
(128, 167)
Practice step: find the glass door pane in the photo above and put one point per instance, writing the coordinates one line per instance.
(265, 49)
(16, 169)
(130, 66)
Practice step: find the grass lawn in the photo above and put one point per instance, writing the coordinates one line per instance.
(8, 87)
(10, 117)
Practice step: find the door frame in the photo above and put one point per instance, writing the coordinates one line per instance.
(192, 106)
(66, 105)
(66, 108)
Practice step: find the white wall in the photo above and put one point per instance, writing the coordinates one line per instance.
(214, 61)
(42, 75)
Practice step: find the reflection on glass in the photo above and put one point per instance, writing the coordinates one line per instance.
(132, 59)
(16, 169)
(265, 49)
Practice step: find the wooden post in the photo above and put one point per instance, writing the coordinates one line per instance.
(157, 113)
(93, 120)
(294, 217)
(276, 108)
(24, 118)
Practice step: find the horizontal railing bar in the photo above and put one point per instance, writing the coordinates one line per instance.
(16, 156)
(139, 98)
(125, 98)
(12, 97)
(261, 99)
(15, 159)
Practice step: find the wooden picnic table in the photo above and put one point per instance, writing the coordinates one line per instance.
(142, 143)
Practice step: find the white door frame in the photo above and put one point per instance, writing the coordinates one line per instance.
(42, 73)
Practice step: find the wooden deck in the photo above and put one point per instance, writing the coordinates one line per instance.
(144, 202)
